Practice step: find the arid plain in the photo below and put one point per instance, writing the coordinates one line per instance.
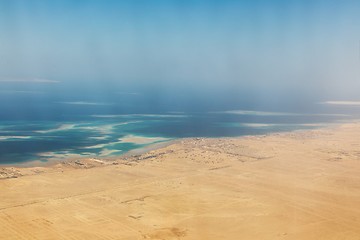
(297, 185)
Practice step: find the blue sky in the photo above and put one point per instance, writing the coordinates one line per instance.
(266, 51)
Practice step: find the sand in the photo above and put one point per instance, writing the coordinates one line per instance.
(299, 185)
(141, 140)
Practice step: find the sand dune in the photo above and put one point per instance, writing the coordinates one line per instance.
(300, 185)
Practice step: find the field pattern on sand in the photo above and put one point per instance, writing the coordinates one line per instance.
(300, 185)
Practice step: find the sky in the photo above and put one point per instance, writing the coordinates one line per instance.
(179, 54)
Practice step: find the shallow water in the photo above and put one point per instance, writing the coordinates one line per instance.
(111, 135)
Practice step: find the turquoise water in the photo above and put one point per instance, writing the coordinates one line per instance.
(111, 135)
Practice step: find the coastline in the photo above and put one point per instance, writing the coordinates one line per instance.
(54, 161)
(293, 185)
(24, 168)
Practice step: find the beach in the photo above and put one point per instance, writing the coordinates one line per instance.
(294, 185)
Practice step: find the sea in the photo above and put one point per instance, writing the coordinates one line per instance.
(45, 120)
(107, 135)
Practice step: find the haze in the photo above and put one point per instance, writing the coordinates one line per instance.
(180, 55)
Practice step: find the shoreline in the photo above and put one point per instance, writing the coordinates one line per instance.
(54, 161)
(37, 167)
(290, 185)
(151, 147)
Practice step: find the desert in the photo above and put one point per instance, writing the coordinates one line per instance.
(294, 185)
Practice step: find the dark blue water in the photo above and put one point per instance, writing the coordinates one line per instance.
(105, 135)
(42, 121)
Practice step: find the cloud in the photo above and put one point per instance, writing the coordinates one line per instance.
(129, 93)
(261, 113)
(258, 113)
(258, 125)
(107, 116)
(20, 92)
(269, 125)
(86, 103)
(344, 103)
(141, 115)
(27, 80)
